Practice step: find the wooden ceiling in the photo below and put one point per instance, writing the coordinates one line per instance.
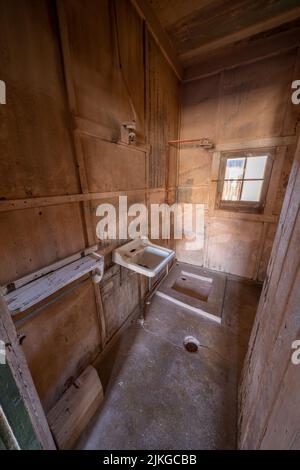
(197, 27)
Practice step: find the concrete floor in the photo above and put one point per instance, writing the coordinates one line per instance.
(158, 395)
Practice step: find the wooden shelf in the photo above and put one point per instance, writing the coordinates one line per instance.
(30, 294)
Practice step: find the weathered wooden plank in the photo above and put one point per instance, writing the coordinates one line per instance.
(60, 338)
(47, 269)
(7, 433)
(237, 35)
(166, 47)
(265, 142)
(233, 246)
(28, 295)
(36, 237)
(111, 167)
(221, 214)
(267, 365)
(275, 179)
(71, 414)
(242, 53)
(35, 107)
(20, 204)
(19, 368)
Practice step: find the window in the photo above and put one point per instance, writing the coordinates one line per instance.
(243, 180)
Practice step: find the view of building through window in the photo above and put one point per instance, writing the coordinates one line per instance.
(244, 178)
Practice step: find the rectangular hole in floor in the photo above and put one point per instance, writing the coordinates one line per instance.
(193, 285)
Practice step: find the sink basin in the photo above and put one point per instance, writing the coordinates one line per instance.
(143, 257)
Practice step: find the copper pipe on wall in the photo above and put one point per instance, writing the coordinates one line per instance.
(204, 141)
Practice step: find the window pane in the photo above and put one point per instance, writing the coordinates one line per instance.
(255, 167)
(234, 168)
(231, 190)
(251, 190)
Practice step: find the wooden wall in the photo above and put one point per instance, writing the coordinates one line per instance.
(269, 412)
(245, 106)
(73, 73)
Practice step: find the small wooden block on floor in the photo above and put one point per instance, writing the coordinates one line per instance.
(71, 414)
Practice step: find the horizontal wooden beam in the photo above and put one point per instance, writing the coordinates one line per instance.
(243, 53)
(158, 33)
(257, 28)
(34, 202)
(222, 214)
(265, 142)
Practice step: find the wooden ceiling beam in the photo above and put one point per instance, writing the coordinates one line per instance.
(243, 53)
(146, 12)
(245, 33)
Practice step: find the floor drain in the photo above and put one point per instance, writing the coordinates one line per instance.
(191, 344)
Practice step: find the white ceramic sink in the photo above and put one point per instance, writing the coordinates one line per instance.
(143, 257)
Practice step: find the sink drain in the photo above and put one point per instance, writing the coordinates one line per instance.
(191, 344)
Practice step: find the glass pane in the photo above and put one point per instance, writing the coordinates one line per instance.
(231, 190)
(251, 190)
(234, 168)
(255, 167)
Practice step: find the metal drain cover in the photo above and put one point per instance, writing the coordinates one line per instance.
(191, 344)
